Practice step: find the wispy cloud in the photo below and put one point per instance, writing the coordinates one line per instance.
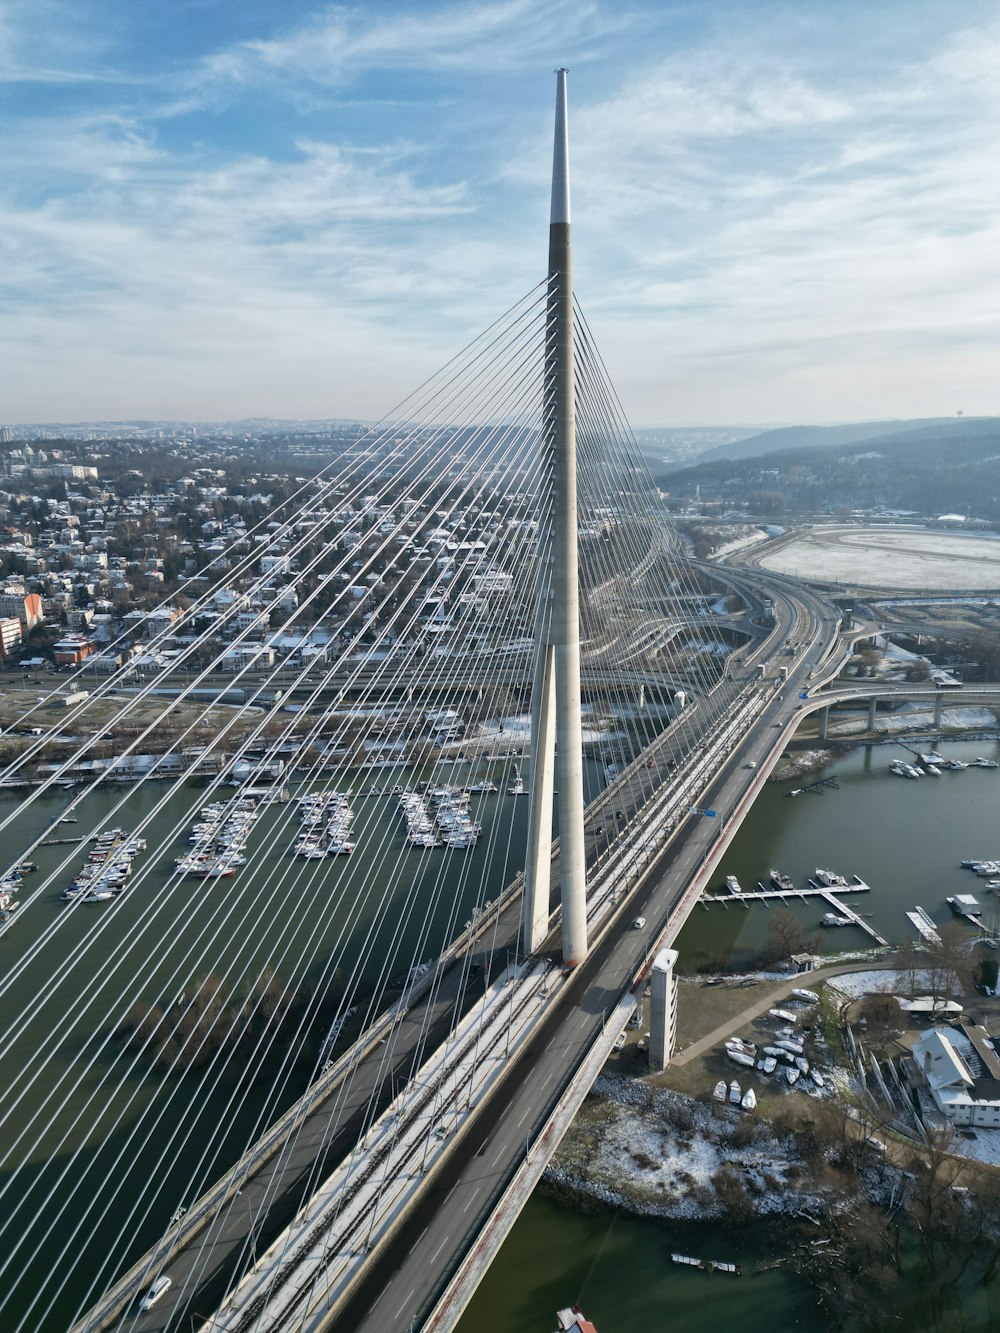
(306, 218)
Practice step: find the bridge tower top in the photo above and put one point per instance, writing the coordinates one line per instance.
(556, 739)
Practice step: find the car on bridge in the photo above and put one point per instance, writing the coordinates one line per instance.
(638, 923)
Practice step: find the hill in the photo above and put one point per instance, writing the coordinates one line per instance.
(819, 437)
(929, 469)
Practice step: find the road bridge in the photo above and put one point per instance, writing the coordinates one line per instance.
(654, 863)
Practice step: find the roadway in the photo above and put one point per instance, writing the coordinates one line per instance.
(402, 1285)
(430, 1243)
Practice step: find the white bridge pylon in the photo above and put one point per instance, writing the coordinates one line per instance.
(556, 738)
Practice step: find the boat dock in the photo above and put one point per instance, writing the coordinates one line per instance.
(830, 896)
(924, 925)
(707, 1265)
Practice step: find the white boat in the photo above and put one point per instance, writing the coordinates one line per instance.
(932, 770)
(749, 1100)
(516, 788)
(721, 1090)
(741, 1045)
(774, 1052)
(785, 1015)
(818, 1079)
(802, 1064)
(792, 1047)
(741, 1057)
(953, 765)
(781, 881)
(832, 919)
(981, 762)
(735, 1093)
(829, 879)
(793, 1076)
(768, 1065)
(733, 884)
(806, 996)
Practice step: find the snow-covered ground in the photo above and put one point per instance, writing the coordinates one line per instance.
(916, 719)
(879, 982)
(743, 543)
(891, 558)
(656, 1151)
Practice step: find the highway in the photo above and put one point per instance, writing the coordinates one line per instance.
(400, 1283)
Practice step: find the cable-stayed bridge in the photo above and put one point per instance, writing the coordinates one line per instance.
(253, 1044)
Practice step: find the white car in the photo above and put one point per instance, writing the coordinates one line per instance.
(638, 923)
(158, 1289)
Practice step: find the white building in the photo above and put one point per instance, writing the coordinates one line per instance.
(960, 1069)
(662, 1009)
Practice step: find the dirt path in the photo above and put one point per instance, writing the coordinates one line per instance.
(761, 1006)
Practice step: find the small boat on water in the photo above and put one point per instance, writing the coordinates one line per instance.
(721, 1091)
(981, 762)
(733, 884)
(829, 879)
(782, 881)
(832, 919)
(516, 788)
(735, 1093)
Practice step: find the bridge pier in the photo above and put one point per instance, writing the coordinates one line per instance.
(824, 722)
(938, 709)
(872, 710)
(662, 1010)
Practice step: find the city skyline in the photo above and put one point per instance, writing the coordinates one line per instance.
(210, 212)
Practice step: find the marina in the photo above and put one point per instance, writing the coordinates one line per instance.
(840, 914)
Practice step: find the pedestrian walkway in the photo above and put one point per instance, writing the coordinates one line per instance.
(760, 1006)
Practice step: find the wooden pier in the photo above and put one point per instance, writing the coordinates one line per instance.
(924, 925)
(830, 896)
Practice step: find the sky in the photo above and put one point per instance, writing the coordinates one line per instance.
(218, 209)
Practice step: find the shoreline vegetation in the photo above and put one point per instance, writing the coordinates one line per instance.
(910, 1232)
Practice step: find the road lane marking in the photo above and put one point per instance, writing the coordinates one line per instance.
(439, 1249)
(405, 1303)
(418, 1240)
(379, 1296)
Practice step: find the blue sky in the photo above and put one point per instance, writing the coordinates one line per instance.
(213, 209)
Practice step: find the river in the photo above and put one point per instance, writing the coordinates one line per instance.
(905, 839)
(88, 1157)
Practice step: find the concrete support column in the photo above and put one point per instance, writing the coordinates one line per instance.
(557, 645)
(938, 709)
(662, 1010)
(872, 710)
(824, 722)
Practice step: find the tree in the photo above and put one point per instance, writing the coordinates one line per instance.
(882, 1017)
(785, 935)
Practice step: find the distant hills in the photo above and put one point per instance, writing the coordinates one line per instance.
(929, 467)
(818, 437)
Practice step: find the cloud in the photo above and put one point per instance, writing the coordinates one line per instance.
(761, 218)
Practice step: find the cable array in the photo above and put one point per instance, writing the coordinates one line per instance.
(147, 1049)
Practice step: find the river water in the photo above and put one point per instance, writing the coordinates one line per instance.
(905, 839)
(84, 1188)
(92, 1170)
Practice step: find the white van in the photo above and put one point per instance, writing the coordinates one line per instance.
(159, 1288)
